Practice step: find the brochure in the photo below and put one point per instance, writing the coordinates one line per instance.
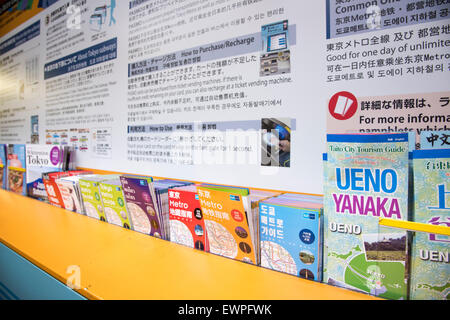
(53, 193)
(430, 271)
(114, 203)
(367, 179)
(187, 224)
(41, 159)
(90, 192)
(17, 168)
(141, 204)
(70, 193)
(228, 222)
(291, 236)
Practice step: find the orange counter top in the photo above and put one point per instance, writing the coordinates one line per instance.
(116, 263)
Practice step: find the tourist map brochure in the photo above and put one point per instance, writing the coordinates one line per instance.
(53, 193)
(52, 190)
(114, 203)
(90, 192)
(16, 164)
(229, 222)
(291, 236)
(162, 200)
(70, 193)
(367, 179)
(41, 159)
(255, 197)
(187, 224)
(430, 269)
(141, 204)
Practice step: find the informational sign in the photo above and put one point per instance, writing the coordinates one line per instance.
(238, 92)
(393, 56)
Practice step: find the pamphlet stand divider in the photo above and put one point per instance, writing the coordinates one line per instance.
(414, 226)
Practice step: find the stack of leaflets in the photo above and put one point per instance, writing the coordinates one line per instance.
(16, 163)
(430, 271)
(147, 203)
(90, 193)
(291, 235)
(140, 196)
(367, 179)
(70, 193)
(187, 226)
(114, 203)
(229, 222)
(42, 159)
(3, 174)
(53, 193)
(255, 197)
(187, 219)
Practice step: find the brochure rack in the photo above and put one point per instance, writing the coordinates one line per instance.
(115, 263)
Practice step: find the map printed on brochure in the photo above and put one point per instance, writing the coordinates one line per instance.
(430, 270)
(290, 233)
(90, 192)
(161, 188)
(114, 203)
(226, 224)
(187, 225)
(367, 179)
(51, 187)
(70, 193)
(140, 201)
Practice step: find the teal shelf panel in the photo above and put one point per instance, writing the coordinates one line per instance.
(22, 280)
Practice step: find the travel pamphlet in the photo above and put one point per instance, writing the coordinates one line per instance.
(430, 270)
(367, 179)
